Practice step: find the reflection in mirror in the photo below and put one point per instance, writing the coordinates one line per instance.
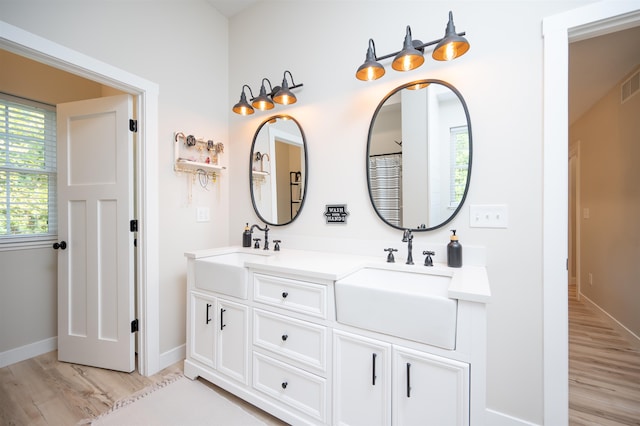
(278, 170)
(419, 155)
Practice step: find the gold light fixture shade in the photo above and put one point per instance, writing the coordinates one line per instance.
(452, 45)
(262, 102)
(418, 86)
(409, 58)
(243, 107)
(371, 69)
(284, 96)
(407, 61)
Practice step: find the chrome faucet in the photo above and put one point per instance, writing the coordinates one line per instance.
(266, 234)
(407, 237)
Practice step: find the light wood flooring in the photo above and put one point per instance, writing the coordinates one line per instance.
(604, 380)
(44, 391)
(604, 369)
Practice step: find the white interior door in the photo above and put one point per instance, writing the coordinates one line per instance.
(95, 205)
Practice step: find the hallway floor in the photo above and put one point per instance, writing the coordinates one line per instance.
(604, 368)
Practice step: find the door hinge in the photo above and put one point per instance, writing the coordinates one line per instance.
(134, 325)
(133, 125)
(133, 225)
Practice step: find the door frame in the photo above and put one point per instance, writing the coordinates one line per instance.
(29, 45)
(558, 31)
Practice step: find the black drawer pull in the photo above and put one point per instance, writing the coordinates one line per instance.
(208, 318)
(284, 385)
(284, 294)
(373, 361)
(284, 337)
(408, 380)
(222, 324)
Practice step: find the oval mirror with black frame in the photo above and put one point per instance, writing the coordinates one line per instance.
(278, 170)
(419, 154)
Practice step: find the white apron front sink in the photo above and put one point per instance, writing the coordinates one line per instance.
(226, 273)
(409, 305)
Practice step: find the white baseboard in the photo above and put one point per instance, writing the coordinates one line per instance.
(28, 351)
(633, 338)
(172, 356)
(496, 418)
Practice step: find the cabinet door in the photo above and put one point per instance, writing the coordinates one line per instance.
(233, 320)
(202, 329)
(362, 381)
(429, 389)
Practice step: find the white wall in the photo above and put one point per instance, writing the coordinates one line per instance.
(501, 81)
(610, 235)
(182, 46)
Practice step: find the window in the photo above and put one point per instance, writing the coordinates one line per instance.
(459, 164)
(27, 172)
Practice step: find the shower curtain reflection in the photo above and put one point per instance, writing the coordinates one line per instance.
(385, 177)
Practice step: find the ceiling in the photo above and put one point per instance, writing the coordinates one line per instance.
(595, 65)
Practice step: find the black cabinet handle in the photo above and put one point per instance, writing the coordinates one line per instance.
(284, 385)
(284, 294)
(373, 375)
(285, 337)
(408, 380)
(208, 317)
(222, 324)
(61, 245)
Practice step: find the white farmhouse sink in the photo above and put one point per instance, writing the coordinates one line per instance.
(226, 273)
(410, 305)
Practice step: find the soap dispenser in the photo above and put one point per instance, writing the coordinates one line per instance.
(246, 236)
(454, 251)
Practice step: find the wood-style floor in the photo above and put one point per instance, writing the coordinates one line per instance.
(604, 380)
(44, 391)
(604, 369)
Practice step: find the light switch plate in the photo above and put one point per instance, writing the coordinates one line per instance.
(202, 214)
(489, 216)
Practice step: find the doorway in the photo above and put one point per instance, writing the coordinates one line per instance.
(558, 31)
(28, 45)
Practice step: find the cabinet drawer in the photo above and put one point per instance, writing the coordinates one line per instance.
(298, 296)
(300, 340)
(303, 391)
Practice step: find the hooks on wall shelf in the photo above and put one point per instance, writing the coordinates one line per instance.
(197, 155)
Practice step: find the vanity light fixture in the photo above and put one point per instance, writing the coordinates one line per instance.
(451, 46)
(265, 101)
(243, 107)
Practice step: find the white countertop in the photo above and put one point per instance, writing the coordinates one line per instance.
(469, 283)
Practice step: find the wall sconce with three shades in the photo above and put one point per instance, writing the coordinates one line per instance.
(280, 95)
(451, 46)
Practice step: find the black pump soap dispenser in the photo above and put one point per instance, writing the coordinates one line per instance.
(454, 251)
(246, 236)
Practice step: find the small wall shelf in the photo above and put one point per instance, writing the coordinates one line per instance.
(184, 165)
(197, 155)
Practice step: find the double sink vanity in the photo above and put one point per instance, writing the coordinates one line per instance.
(323, 338)
(330, 338)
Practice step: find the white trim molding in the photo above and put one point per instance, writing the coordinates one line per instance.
(28, 351)
(558, 31)
(34, 47)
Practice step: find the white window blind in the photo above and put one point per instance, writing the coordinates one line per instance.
(28, 210)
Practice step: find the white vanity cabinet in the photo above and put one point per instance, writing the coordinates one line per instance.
(218, 335)
(362, 380)
(290, 343)
(375, 382)
(429, 389)
(276, 331)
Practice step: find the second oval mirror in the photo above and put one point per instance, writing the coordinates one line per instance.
(278, 170)
(419, 155)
